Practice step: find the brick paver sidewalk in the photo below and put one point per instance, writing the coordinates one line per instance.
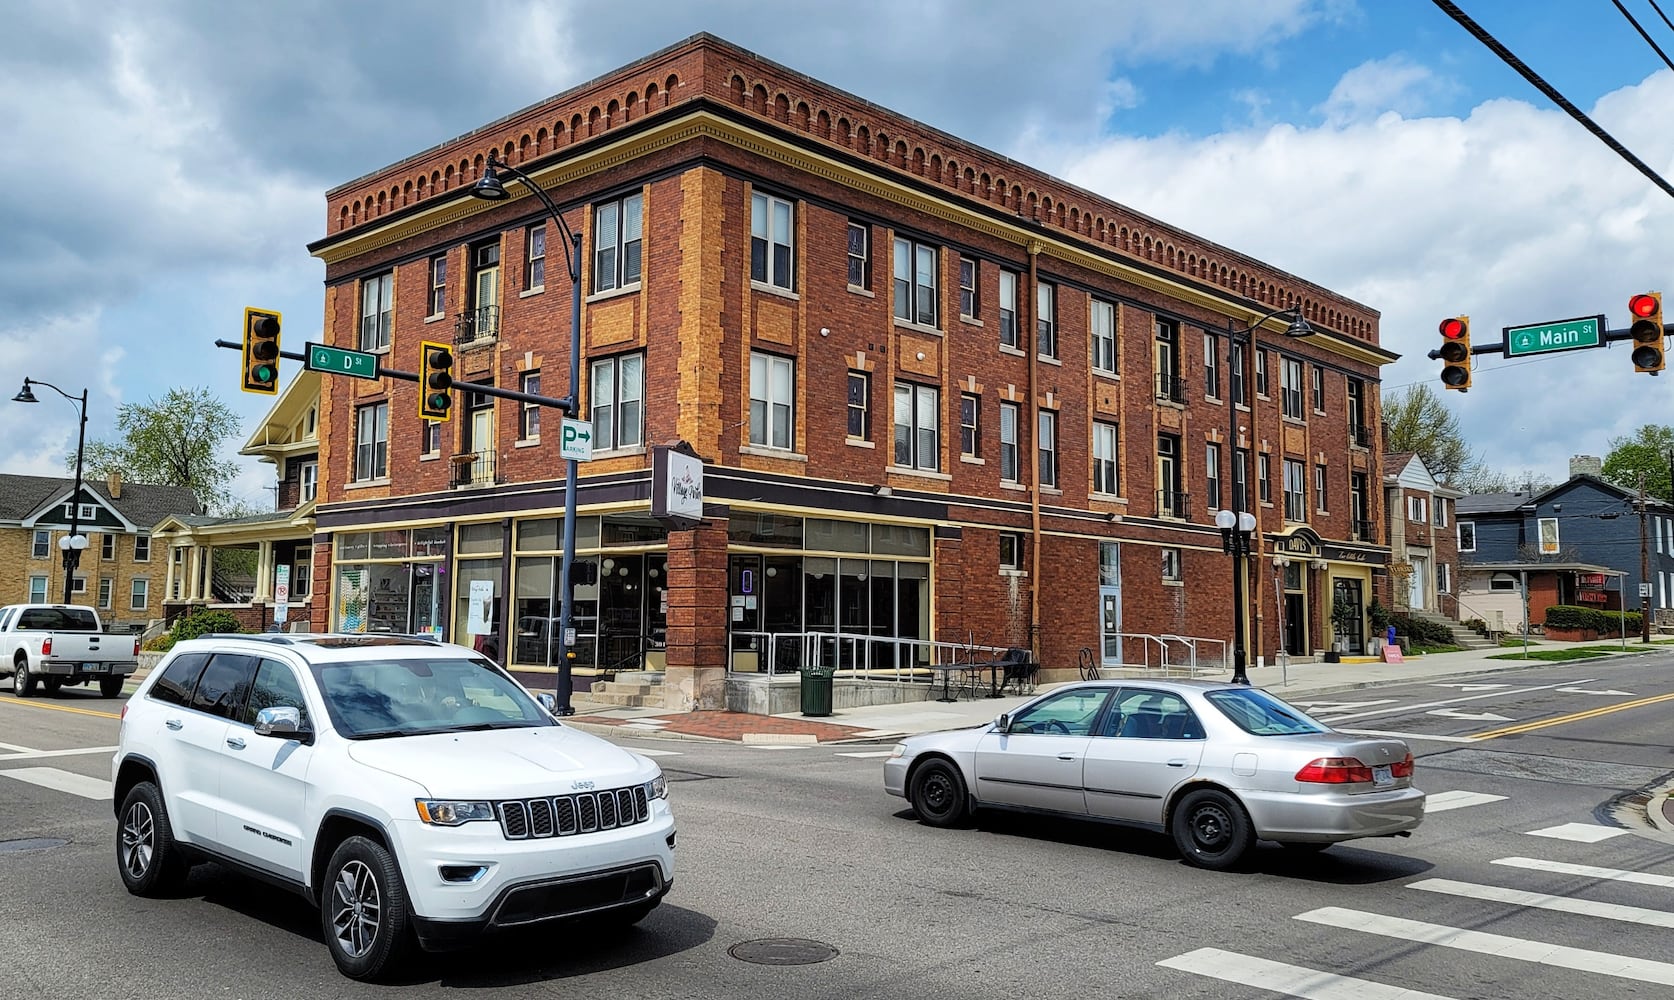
(730, 726)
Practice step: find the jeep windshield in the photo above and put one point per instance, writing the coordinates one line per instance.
(378, 699)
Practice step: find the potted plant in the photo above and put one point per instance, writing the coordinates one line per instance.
(1380, 619)
(1344, 612)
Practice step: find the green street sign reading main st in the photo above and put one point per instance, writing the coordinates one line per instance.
(1545, 338)
(337, 361)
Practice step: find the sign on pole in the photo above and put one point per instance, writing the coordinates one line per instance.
(575, 441)
(1644, 590)
(338, 361)
(1546, 338)
(281, 594)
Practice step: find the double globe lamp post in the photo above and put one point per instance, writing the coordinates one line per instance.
(75, 541)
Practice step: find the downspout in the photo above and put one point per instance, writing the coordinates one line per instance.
(1035, 247)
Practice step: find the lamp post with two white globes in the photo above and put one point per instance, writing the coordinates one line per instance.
(73, 543)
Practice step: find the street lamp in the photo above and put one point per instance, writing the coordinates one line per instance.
(75, 541)
(1237, 523)
(489, 188)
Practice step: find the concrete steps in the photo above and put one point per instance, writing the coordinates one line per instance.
(637, 690)
(1462, 637)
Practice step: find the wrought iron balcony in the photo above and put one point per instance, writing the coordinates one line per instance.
(1172, 503)
(476, 327)
(473, 468)
(1360, 435)
(1171, 388)
(1362, 530)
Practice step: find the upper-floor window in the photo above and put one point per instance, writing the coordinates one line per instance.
(617, 405)
(860, 255)
(534, 257)
(107, 547)
(142, 548)
(917, 437)
(770, 241)
(1241, 478)
(105, 585)
(1262, 387)
(1104, 459)
(139, 595)
(1296, 497)
(43, 545)
(1439, 511)
(860, 405)
(970, 427)
(1046, 319)
(430, 437)
(483, 318)
(1011, 551)
(1358, 435)
(372, 442)
(1103, 322)
(1264, 477)
(529, 414)
(376, 310)
(37, 590)
(1417, 510)
(1008, 308)
(772, 381)
(616, 243)
(1212, 474)
(1166, 355)
(1291, 383)
(1046, 442)
(438, 284)
(308, 481)
(1171, 568)
(1467, 536)
(1211, 366)
(1319, 488)
(967, 288)
(1009, 414)
(1239, 377)
(915, 282)
(1319, 389)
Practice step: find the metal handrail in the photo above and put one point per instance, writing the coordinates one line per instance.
(852, 654)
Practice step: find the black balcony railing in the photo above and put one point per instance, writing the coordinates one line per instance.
(473, 468)
(1362, 530)
(1172, 503)
(476, 326)
(1360, 435)
(1171, 388)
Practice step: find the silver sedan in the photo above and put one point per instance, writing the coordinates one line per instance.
(1218, 766)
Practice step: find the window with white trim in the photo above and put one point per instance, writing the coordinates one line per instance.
(1009, 416)
(1104, 459)
(970, 426)
(308, 481)
(43, 545)
(529, 414)
(1296, 495)
(917, 437)
(139, 595)
(772, 382)
(1212, 474)
(37, 590)
(1319, 488)
(771, 258)
(377, 313)
(860, 256)
(967, 288)
(1171, 572)
(616, 243)
(1291, 382)
(1103, 321)
(438, 284)
(617, 404)
(105, 585)
(1047, 447)
(1467, 536)
(1211, 365)
(916, 282)
(1008, 308)
(372, 442)
(534, 257)
(860, 405)
(1011, 551)
(1046, 319)
(142, 548)
(107, 547)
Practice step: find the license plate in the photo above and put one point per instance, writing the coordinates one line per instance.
(99, 668)
(1381, 775)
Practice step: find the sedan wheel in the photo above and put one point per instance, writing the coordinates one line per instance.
(363, 910)
(1210, 829)
(938, 794)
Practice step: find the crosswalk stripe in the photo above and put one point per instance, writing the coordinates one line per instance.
(1547, 901)
(1500, 946)
(1586, 833)
(1295, 980)
(643, 752)
(868, 753)
(1443, 801)
(1588, 871)
(62, 781)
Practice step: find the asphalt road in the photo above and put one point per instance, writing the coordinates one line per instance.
(1534, 875)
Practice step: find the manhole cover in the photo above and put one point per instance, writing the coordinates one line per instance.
(31, 844)
(782, 951)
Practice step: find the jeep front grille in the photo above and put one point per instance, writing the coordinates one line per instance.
(564, 815)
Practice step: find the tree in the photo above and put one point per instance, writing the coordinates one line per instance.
(1418, 421)
(174, 441)
(1647, 451)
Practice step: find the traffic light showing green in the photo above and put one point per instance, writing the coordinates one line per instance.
(435, 380)
(1647, 331)
(261, 351)
(1455, 353)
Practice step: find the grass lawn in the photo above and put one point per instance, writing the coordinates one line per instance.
(1517, 643)
(1557, 655)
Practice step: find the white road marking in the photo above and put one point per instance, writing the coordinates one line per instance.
(1473, 687)
(1331, 707)
(1293, 980)
(868, 753)
(1405, 736)
(78, 751)
(779, 746)
(61, 781)
(1547, 901)
(14, 748)
(1454, 713)
(1497, 945)
(1588, 871)
(1591, 691)
(780, 739)
(1469, 697)
(1443, 801)
(1586, 833)
(656, 753)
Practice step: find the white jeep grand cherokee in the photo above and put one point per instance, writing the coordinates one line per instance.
(411, 789)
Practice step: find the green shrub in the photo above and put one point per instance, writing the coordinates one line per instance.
(201, 621)
(1568, 616)
(160, 644)
(1422, 632)
(1476, 625)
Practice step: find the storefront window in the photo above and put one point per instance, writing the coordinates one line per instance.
(430, 541)
(765, 529)
(480, 539)
(391, 544)
(836, 536)
(900, 540)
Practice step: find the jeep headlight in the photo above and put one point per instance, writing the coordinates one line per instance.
(452, 812)
(657, 788)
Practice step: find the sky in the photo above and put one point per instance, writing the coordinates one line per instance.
(164, 163)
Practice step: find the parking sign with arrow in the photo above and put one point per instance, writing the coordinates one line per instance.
(576, 440)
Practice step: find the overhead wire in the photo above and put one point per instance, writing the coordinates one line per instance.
(1643, 33)
(1660, 14)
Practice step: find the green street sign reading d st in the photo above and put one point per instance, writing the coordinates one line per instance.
(1547, 338)
(338, 361)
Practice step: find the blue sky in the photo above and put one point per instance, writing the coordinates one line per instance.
(165, 162)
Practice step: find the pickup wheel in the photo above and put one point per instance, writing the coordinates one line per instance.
(111, 687)
(23, 682)
(146, 855)
(364, 913)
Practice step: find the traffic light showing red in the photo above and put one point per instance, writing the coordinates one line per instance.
(435, 380)
(1648, 351)
(1455, 353)
(261, 351)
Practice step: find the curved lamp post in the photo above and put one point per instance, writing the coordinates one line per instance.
(75, 541)
(490, 188)
(1237, 524)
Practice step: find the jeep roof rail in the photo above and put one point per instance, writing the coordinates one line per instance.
(283, 640)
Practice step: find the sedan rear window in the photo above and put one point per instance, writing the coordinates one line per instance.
(1260, 714)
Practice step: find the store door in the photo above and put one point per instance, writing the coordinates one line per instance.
(749, 652)
(1110, 624)
(1354, 636)
(1415, 583)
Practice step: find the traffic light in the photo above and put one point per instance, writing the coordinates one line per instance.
(435, 380)
(1647, 331)
(261, 351)
(1455, 353)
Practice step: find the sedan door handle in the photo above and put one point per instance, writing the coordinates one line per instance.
(1177, 762)
(1066, 756)
(235, 743)
(174, 724)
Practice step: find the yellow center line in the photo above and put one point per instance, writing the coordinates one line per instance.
(64, 708)
(1590, 713)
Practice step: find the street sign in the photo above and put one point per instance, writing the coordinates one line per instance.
(575, 442)
(1644, 590)
(1546, 338)
(337, 361)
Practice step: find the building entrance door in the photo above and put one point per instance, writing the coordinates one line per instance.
(1354, 635)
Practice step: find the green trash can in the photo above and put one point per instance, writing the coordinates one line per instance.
(816, 689)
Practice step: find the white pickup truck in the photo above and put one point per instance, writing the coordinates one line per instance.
(61, 644)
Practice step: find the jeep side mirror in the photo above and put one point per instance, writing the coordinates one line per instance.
(549, 702)
(282, 722)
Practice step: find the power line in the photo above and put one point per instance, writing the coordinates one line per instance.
(1642, 34)
(1481, 34)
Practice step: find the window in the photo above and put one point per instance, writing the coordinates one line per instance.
(1171, 566)
(616, 243)
(860, 405)
(37, 589)
(771, 381)
(1008, 309)
(1070, 713)
(1359, 507)
(1417, 511)
(1046, 320)
(1444, 578)
(1047, 444)
(438, 284)
(139, 595)
(915, 282)
(1241, 478)
(1319, 488)
(1296, 497)
(1239, 379)
(1166, 355)
(1170, 501)
(534, 257)
(224, 684)
(1211, 366)
(967, 288)
(1008, 442)
(770, 241)
(1319, 389)
(617, 404)
(176, 684)
(970, 429)
(302, 574)
(142, 548)
(529, 414)
(1467, 536)
(482, 322)
(376, 311)
(430, 437)
(1439, 511)
(43, 546)
(275, 687)
(1212, 475)
(1264, 477)
(860, 256)
(1103, 322)
(1104, 459)
(372, 442)
(916, 438)
(1011, 551)
(78, 585)
(308, 481)
(107, 546)
(1291, 383)
(105, 585)
(1502, 581)
(1359, 437)
(1261, 373)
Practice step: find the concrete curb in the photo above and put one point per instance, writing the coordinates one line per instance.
(599, 729)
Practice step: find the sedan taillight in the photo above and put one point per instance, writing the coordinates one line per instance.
(1335, 771)
(1403, 769)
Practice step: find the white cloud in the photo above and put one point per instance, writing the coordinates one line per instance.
(1395, 84)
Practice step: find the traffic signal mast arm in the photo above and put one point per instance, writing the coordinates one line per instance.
(1499, 346)
(567, 406)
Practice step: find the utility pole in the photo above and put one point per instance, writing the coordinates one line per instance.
(1644, 568)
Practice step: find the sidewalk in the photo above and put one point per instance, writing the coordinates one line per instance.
(1300, 682)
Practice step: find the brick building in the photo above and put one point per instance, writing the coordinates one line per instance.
(1423, 541)
(942, 397)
